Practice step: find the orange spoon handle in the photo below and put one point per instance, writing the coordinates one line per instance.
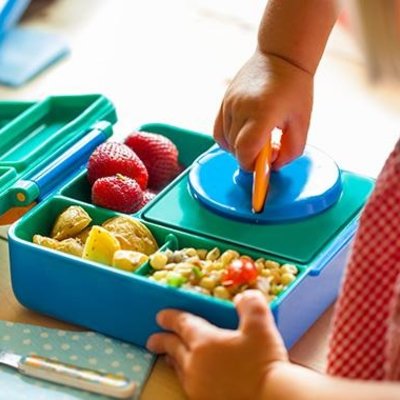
(261, 177)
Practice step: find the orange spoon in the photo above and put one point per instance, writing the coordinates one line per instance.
(261, 174)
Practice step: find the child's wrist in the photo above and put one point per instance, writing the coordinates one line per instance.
(273, 377)
(287, 60)
(285, 381)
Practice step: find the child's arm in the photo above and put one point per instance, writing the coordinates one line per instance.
(249, 363)
(297, 31)
(275, 87)
(290, 381)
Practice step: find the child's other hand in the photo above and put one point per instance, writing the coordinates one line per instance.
(214, 363)
(268, 92)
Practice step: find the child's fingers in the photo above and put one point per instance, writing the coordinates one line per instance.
(254, 313)
(172, 347)
(257, 322)
(187, 326)
(227, 123)
(293, 141)
(219, 130)
(236, 126)
(171, 362)
(167, 343)
(250, 140)
(275, 148)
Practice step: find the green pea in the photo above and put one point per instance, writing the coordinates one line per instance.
(176, 280)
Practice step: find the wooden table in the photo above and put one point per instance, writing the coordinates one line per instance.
(170, 61)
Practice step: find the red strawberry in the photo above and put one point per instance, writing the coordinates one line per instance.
(148, 195)
(117, 192)
(159, 155)
(112, 158)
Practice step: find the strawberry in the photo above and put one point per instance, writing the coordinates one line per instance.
(117, 192)
(159, 155)
(112, 158)
(148, 195)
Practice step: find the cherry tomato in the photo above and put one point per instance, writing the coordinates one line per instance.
(241, 271)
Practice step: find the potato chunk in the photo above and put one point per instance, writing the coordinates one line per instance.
(70, 222)
(100, 246)
(45, 242)
(128, 260)
(69, 246)
(132, 234)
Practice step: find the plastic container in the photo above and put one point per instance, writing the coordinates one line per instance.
(124, 304)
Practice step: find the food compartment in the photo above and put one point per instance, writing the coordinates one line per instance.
(78, 188)
(190, 145)
(295, 308)
(83, 292)
(88, 233)
(218, 270)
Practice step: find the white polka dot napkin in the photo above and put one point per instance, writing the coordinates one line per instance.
(84, 349)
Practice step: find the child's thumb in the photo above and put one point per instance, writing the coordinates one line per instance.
(254, 313)
(257, 322)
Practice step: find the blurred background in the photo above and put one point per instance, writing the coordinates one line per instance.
(170, 61)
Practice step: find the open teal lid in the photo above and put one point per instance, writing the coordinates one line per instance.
(42, 143)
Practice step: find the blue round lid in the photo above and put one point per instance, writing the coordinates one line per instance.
(307, 186)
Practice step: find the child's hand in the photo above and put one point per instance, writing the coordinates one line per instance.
(214, 363)
(268, 92)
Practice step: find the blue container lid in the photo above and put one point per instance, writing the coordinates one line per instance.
(305, 187)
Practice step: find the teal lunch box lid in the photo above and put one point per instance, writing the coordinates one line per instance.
(297, 240)
(11, 109)
(43, 143)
